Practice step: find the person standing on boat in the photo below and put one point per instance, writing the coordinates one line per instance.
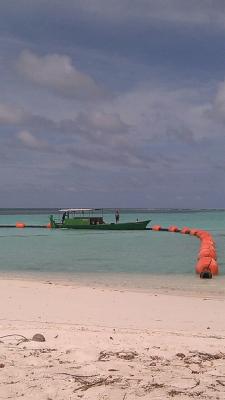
(117, 216)
(63, 217)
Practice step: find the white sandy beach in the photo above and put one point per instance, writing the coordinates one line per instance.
(109, 344)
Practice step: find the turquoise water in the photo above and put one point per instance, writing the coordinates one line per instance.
(120, 256)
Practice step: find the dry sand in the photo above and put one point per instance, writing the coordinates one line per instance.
(109, 344)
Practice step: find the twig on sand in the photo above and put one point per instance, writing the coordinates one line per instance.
(220, 382)
(81, 377)
(88, 385)
(14, 334)
(21, 340)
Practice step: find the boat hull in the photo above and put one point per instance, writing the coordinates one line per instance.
(126, 226)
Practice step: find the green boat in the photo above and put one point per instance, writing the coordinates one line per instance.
(86, 218)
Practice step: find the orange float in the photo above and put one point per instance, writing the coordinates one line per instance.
(207, 264)
(173, 228)
(185, 230)
(20, 225)
(156, 228)
(207, 244)
(48, 225)
(207, 253)
(194, 232)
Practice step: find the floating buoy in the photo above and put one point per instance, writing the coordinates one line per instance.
(207, 263)
(173, 228)
(204, 235)
(156, 228)
(185, 230)
(20, 225)
(208, 245)
(194, 232)
(207, 253)
(49, 225)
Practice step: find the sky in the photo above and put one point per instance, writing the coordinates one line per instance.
(112, 103)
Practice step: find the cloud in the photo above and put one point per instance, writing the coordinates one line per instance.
(30, 141)
(102, 127)
(102, 121)
(57, 73)
(160, 114)
(182, 11)
(135, 130)
(218, 109)
(10, 114)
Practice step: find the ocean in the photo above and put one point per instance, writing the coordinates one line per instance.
(141, 260)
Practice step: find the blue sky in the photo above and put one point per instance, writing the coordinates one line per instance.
(112, 103)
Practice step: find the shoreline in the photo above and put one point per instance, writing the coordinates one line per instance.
(189, 285)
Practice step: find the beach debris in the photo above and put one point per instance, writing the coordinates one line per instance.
(194, 374)
(89, 381)
(38, 337)
(173, 392)
(125, 355)
(180, 355)
(151, 386)
(109, 380)
(220, 382)
(19, 338)
(207, 356)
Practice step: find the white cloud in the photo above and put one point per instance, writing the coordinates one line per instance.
(30, 141)
(160, 112)
(57, 73)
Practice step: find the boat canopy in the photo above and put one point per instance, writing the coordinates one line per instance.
(79, 209)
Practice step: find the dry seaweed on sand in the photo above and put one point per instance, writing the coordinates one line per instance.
(125, 355)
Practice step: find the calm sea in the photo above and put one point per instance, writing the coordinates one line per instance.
(138, 260)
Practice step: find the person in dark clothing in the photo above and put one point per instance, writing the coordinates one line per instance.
(117, 216)
(63, 217)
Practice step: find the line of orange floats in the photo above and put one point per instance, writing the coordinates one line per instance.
(23, 225)
(206, 265)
